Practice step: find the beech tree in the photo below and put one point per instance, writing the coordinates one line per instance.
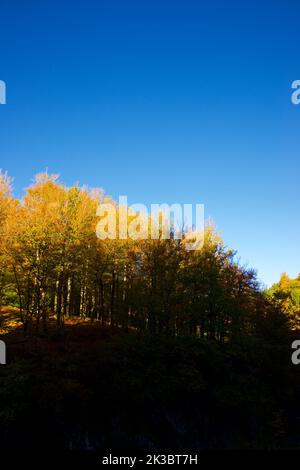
(59, 269)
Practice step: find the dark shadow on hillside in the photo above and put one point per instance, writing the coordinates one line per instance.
(93, 387)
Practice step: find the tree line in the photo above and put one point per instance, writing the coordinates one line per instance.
(53, 267)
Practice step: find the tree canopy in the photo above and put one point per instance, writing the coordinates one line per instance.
(54, 266)
(286, 294)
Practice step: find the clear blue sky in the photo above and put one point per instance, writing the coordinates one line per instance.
(163, 101)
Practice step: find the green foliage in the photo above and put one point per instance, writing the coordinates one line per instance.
(286, 294)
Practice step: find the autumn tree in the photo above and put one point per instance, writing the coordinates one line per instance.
(59, 268)
(286, 294)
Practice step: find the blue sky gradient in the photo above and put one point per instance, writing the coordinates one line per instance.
(182, 101)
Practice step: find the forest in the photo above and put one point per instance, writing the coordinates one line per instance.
(136, 343)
